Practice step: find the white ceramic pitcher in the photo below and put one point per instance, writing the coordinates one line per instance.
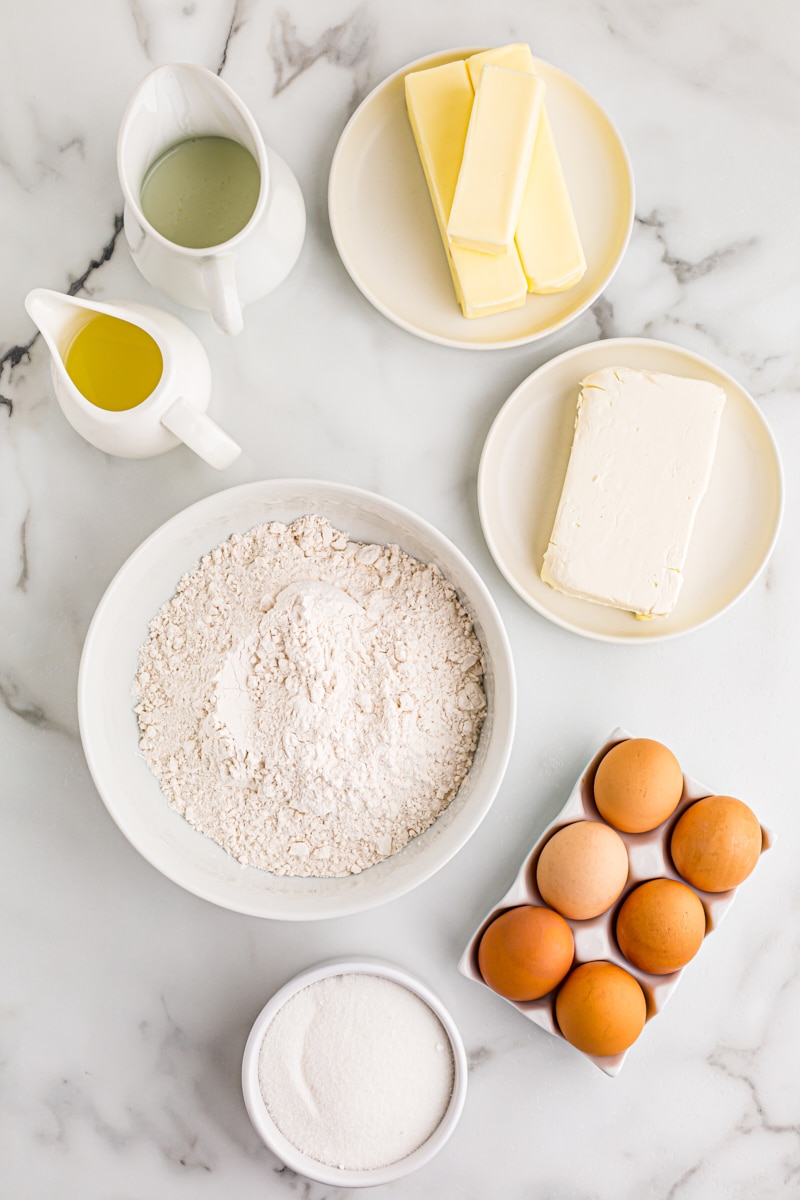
(181, 101)
(174, 412)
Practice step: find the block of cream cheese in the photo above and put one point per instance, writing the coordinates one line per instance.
(439, 102)
(640, 463)
(497, 158)
(547, 235)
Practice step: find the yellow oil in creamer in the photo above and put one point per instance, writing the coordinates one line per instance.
(115, 364)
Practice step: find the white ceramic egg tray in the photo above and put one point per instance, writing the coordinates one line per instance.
(649, 858)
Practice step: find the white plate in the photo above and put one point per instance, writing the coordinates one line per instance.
(110, 733)
(386, 233)
(522, 471)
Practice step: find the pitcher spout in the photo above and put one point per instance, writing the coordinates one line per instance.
(58, 317)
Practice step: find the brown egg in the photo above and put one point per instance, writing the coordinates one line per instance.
(600, 1009)
(582, 869)
(526, 952)
(637, 785)
(661, 926)
(716, 843)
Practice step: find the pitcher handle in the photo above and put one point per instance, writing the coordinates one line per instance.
(223, 298)
(200, 434)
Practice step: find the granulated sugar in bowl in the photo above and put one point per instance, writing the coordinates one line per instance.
(354, 1073)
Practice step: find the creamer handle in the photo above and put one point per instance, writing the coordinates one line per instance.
(219, 277)
(200, 434)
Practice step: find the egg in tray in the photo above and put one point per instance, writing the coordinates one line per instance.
(615, 898)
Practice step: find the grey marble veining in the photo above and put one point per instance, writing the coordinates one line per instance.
(125, 1002)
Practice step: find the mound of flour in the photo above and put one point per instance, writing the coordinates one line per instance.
(309, 702)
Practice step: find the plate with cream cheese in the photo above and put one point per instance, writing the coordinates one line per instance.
(384, 220)
(663, 515)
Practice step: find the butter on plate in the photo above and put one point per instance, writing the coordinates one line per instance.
(640, 464)
(439, 102)
(497, 159)
(547, 236)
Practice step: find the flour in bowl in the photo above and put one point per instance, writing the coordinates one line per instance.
(309, 702)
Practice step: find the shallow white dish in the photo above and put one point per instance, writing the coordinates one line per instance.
(522, 471)
(295, 1159)
(109, 729)
(385, 229)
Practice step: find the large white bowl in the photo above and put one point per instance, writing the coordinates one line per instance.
(110, 734)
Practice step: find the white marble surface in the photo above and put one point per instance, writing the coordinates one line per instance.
(125, 1002)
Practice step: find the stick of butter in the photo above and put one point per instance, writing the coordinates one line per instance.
(640, 463)
(497, 159)
(547, 235)
(439, 102)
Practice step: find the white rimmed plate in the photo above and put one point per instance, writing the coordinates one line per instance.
(522, 471)
(110, 734)
(386, 234)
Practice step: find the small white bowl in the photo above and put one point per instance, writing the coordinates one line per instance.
(110, 733)
(268, 1131)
